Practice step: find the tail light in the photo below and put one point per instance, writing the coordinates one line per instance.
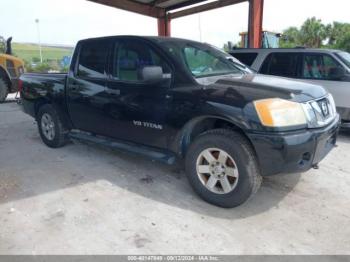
(20, 85)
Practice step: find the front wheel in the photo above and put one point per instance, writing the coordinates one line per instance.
(51, 128)
(222, 168)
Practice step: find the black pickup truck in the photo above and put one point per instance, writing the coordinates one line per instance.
(174, 99)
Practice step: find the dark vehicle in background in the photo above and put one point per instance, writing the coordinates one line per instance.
(174, 99)
(328, 68)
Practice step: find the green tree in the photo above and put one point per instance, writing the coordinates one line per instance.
(339, 36)
(343, 43)
(313, 33)
(290, 38)
(42, 68)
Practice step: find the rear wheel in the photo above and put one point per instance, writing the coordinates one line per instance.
(4, 89)
(222, 168)
(51, 128)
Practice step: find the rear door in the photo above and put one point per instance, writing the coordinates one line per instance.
(137, 111)
(86, 88)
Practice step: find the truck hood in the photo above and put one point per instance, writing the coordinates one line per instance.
(252, 87)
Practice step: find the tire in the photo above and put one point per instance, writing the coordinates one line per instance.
(4, 90)
(51, 128)
(229, 183)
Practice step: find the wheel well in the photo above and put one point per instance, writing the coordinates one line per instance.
(5, 77)
(39, 104)
(203, 125)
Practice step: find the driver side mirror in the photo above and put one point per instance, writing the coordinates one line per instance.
(151, 74)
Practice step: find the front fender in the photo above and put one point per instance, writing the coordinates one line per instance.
(196, 126)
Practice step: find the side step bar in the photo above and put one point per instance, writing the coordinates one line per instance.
(150, 152)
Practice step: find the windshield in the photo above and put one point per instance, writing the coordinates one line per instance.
(345, 58)
(202, 60)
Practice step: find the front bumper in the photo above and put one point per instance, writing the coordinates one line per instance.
(293, 152)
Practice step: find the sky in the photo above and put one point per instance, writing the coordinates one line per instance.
(66, 21)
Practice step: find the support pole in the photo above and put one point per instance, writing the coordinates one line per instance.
(256, 11)
(164, 26)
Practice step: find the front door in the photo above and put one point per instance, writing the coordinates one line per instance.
(138, 111)
(318, 69)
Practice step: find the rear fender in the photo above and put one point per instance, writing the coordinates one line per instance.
(63, 116)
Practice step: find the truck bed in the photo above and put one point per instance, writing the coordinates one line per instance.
(45, 76)
(44, 86)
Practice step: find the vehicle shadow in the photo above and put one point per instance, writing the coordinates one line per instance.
(173, 189)
(44, 170)
(8, 101)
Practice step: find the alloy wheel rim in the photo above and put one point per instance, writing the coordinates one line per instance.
(217, 171)
(48, 126)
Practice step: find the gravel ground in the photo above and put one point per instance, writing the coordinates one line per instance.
(84, 199)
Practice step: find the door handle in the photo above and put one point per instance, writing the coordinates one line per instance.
(74, 86)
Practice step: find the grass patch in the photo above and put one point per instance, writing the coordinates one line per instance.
(29, 51)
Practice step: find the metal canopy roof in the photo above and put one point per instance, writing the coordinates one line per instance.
(166, 10)
(163, 8)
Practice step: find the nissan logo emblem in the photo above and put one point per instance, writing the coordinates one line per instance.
(324, 108)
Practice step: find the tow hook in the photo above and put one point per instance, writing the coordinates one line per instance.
(315, 166)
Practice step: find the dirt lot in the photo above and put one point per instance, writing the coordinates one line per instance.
(82, 199)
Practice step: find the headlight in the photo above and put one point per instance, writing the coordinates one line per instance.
(276, 112)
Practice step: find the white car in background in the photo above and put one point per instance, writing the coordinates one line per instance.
(325, 67)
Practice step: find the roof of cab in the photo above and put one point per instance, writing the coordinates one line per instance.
(150, 38)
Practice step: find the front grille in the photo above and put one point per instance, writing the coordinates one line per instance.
(324, 110)
(324, 105)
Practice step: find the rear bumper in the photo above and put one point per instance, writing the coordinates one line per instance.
(294, 152)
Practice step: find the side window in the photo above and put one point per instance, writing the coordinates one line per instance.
(246, 58)
(93, 59)
(281, 64)
(203, 63)
(131, 57)
(319, 66)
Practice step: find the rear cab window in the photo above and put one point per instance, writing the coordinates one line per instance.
(92, 61)
(131, 56)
